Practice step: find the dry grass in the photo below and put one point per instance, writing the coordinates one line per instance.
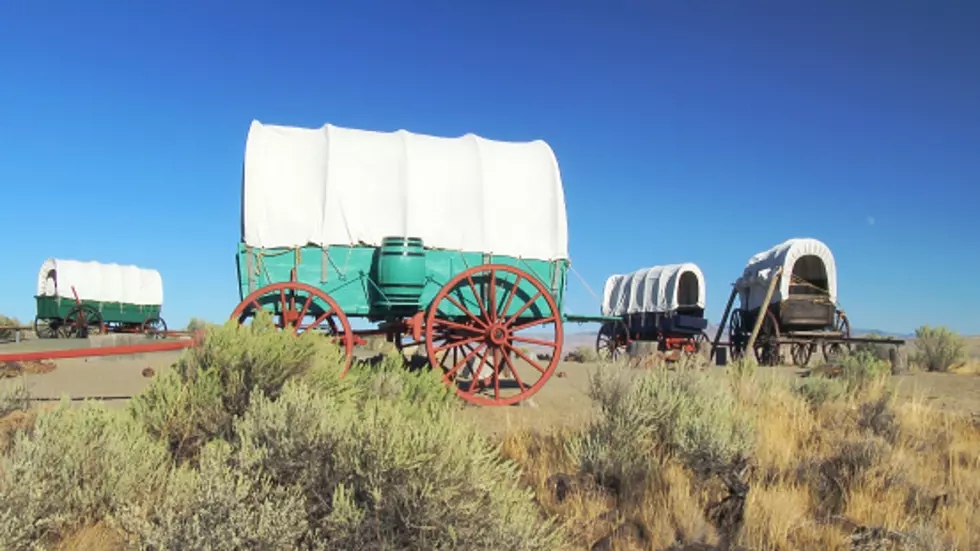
(860, 470)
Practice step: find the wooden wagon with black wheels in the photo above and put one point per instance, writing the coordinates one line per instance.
(78, 299)
(662, 305)
(454, 246)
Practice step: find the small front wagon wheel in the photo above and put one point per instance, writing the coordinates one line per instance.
(154, 327)
(298, 307)
(484, 325)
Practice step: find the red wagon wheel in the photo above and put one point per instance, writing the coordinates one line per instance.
(298, 307)
(476, 318)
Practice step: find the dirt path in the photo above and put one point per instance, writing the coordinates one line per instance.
(562, 401)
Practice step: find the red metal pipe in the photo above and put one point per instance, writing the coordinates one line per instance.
(103, 351)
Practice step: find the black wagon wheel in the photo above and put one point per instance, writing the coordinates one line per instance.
(83, 321)
(737, 335)
(766, 344)
(611, 341)
(47, 328)
(834, 351)
(154, 327)
(802, 352)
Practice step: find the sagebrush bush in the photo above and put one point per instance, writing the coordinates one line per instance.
(818, 391)
(74, 467)
(198, 324)
(387, 474)
(862, 372)
(211, 384)
(938, 348)
(218, 505)
(15, 398)
(879, 351)
(685, 415)
(6, 322)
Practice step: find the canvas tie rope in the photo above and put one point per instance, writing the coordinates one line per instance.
(582, 279)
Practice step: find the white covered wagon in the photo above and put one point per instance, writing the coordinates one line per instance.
(79, 298)
(662, 303)
(802, 309)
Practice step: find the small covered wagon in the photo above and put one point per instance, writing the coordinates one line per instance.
(457, 246)
(78, 299)
(662, 304)
(802, 309)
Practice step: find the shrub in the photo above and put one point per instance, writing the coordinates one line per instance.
(198, 324)
(938, 348)
(217, 506)
(13, 399)
(686, 415)
(388, 474)
(879, 351)
(862, 372)
(6, 322)
(211, 384)
(74, 467)
(818, 391)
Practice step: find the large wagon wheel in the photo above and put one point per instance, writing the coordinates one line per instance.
(82, 321)
(298, 307)
(612, 340)
(46, 328)
(154, 326)
(833, 351)
(767, 341)
(802, 352)
(474, 319)
(737, 336)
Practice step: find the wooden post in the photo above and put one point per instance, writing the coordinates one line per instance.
(764, 308)
(724, 320)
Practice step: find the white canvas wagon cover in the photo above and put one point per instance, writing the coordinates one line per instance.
(651, 290)
(754, 283)
(340, 186)
(100, 282)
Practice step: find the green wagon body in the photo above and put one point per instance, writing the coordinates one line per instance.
(112, 312)
(350, 276)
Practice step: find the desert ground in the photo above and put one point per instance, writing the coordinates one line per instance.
(563, 401)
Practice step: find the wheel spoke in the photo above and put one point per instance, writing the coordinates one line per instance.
(479, 301)
(513, 371)
(532, 324)
(463, 362)
(480, 322)
(492, 295)
(459, 343)
(527, 304)
(496, 372)
(457, 326)
(533, 363)
(538, 342)
(510, 296)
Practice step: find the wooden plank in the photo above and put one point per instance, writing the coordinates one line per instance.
(763, 309)
(724, 320)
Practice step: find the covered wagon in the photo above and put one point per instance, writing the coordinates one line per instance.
(663, 304)
(457, 246)
(79, 298)
(802, 309)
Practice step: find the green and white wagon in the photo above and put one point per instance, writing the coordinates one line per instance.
(454, 245)
(77, 299)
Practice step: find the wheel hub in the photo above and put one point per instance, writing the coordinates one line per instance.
(497, 334)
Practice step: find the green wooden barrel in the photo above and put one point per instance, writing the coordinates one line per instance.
(401, 273)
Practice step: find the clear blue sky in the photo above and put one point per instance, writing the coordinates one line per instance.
(857, 123)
